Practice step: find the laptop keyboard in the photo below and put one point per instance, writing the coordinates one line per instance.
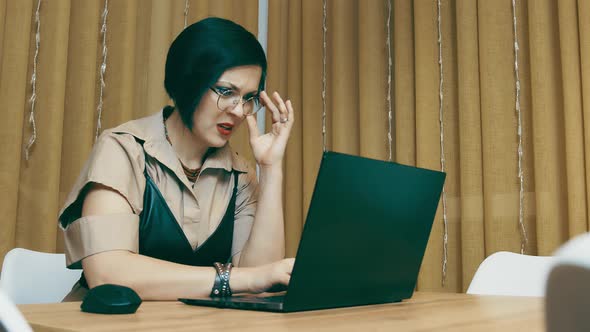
(267, 299)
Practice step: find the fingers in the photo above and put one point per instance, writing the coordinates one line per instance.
(290, 112)
(283, 270)
(270, 106)
(252, 127)
(285, 279)
(284, 276)
(281, 112)
(288, 264)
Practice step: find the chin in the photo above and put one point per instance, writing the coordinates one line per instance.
(214, 140)
(218, 146)
(218, 143)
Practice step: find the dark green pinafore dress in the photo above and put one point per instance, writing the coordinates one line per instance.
(161, 237)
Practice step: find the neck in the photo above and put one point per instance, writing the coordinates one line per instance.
(190, 150)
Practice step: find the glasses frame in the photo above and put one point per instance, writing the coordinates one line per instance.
(234, 101)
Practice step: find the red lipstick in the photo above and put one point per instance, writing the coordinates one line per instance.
(225, 128)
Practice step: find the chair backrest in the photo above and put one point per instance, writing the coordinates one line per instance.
(36, 277)
(11, 319)
(507, 273)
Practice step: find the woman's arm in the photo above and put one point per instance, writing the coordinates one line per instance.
(267, 239)
(155, 279)
(266, 243)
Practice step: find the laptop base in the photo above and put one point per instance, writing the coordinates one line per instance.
(238, 302)
(271, 304)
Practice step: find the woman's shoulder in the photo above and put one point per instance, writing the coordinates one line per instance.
(130, 136)
(112, 145)
(142, 129)
(116, 161)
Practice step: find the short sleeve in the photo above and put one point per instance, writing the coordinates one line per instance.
(94, 234)
(117, 161)
(246, 200)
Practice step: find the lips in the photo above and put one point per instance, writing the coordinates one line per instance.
(225, 128)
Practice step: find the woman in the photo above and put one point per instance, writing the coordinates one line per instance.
(163, 205)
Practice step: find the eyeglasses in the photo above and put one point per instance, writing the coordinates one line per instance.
(228, 99)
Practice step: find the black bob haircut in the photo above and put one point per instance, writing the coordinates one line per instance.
(200, 54)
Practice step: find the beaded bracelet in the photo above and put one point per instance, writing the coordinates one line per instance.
(221, 285)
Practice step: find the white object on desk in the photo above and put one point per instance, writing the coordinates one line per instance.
(568, 287)
(507, 273)
(36, 277)
(10, 317)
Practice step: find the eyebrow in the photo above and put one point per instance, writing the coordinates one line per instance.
(249, 94)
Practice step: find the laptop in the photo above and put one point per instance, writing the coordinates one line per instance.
(363, 241)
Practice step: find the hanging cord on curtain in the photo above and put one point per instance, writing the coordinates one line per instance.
(442, 147)
(103, 67)
(523, 235)
(33, 98)
(388, 43)
(324, 51)
(186, 8)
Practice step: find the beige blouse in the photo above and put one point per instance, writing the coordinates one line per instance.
(118, 160)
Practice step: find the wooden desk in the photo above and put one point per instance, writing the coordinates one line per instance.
(424, 312)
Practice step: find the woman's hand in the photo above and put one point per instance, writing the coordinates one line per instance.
(269, 148)
(271, 277)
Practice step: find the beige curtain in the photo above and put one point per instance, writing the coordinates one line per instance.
(480, 122)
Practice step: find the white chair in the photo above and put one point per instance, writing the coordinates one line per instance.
(11, 319)
(36, 277)
(507, 273)
(568, 287)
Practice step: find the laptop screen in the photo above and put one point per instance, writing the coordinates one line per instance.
(365, 234)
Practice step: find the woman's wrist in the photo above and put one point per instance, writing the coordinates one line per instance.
(274, 171)
(271, 167)
(240, 280)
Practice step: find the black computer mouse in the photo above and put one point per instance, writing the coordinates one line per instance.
(111, 299)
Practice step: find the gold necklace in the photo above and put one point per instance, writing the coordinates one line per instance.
(191, 173)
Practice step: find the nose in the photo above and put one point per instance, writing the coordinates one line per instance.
(238, 109)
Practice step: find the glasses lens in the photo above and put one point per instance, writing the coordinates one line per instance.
(227, 100)
(226, 103)
(252, 106)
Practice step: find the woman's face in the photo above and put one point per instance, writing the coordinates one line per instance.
(213, 126)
